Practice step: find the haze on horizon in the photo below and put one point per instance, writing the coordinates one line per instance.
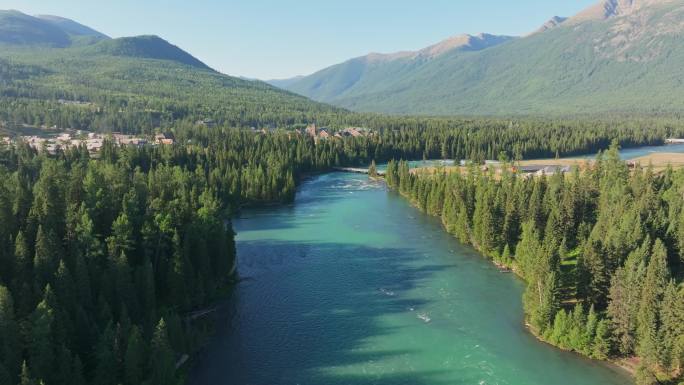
(268, 39)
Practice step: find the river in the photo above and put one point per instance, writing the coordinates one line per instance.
(352, 285)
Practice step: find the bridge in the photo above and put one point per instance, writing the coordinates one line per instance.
(357, 170)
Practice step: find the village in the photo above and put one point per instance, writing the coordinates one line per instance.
(52, 142)
(326, 133)
(53, 139)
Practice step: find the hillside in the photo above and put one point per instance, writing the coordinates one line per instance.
(617, 56)
(147, 47)
(44, 70)
(71, 27)
(19, 29)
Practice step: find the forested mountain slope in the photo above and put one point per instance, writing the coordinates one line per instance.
(17, 28)
(366, 73)
(617, 56)
(45, 65)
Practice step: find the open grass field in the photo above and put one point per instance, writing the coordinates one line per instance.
(659, 161)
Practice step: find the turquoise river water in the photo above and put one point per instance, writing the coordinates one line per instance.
(352, 285)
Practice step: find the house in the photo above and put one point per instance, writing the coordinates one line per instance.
(95, 144)
(531, 169)
(323, 134)
(164, 139)
(311, 130)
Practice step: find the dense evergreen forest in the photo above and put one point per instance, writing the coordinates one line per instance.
(601, 250)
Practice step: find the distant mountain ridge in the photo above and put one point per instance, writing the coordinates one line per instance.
(607, 9)
(378, 68)
(71, 27)
(463, 42)
(617, 56)
(21, 30)
(284, 83)
(17, 28)
(552, 23)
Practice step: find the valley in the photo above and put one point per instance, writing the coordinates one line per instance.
(166, 220)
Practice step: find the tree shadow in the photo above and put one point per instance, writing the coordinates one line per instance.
(308, 314)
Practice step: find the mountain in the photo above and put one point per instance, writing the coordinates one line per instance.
(71, 27)
(46, 31)
(17, 28)
(146, 47)
(607, 9)
(361, 75)
(616, 56)
(71, 75)
(284, 83)
(552, 23)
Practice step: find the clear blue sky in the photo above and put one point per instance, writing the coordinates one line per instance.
(281, 38)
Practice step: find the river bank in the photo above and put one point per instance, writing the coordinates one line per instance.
(505, 266)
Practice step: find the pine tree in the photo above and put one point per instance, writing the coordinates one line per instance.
(541, 299)
(625, 296)
(462, 226)
(121, 240)
(125, 289)
(671, 331)
(9, 332)
(178, 274)
(644, 376)
(162, 357)
(602, 341)
(134, 359)
(23, 261)
(592, 273)
(484, 226)
(147, 294)
(373, 170)
(26, 378)
(648, 321)
(46, 257)
(41, 349)
(528, 249)
(105, 359)
(590, 331)
(577, 337)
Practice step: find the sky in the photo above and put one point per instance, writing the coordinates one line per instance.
(275, 39)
